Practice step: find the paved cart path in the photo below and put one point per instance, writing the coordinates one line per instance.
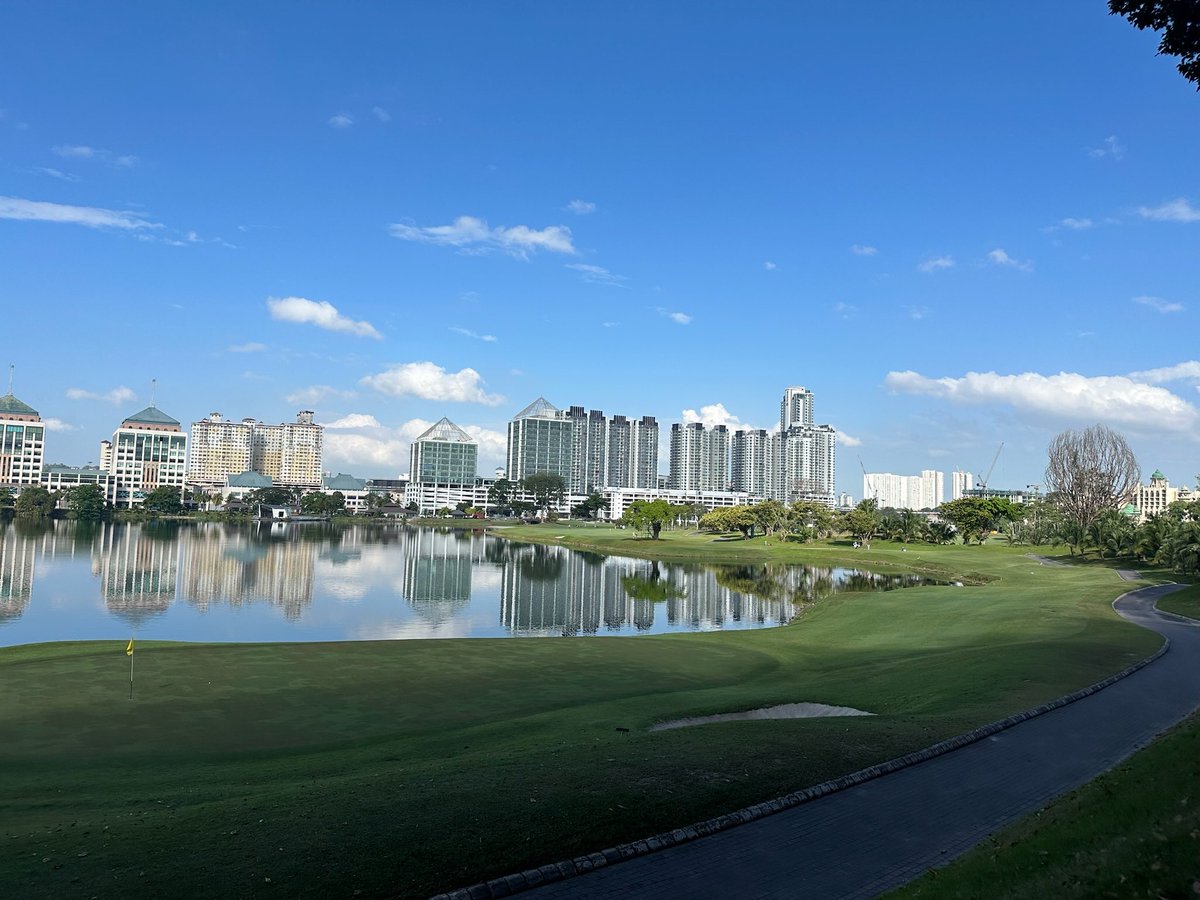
(881, 834)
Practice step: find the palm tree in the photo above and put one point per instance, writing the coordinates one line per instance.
(1182, 548)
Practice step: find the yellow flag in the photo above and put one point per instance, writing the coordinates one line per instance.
(129, 649)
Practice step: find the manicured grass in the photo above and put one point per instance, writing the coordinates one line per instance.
(407, 767)
(1184, 603)
(1133, 832)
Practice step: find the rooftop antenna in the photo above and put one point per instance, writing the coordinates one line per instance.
(11, 369)
(153, 390)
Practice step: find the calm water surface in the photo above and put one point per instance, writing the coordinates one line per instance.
(215, 582)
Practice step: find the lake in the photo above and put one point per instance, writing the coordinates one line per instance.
(66, 581)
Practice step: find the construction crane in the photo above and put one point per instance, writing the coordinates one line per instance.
(984, 479)
(875, 495)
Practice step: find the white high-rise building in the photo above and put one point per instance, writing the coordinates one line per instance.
(22, 442)
(631, 457)
(809, 463)
(807, 453)
(219, 448)
(699, 457)
(589, 450)
(748, 462)
(687, 451)
(796, 408)
(443, 454)
(933, 491)
(960, 483)
(290, 454)
(541, 442)
(149, 450)
(890, 491)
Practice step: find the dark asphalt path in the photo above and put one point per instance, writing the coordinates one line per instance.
(883, 833)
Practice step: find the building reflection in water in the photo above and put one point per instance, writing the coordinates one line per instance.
(438, 568)
(23, 543)
(137, 566)
(142, 569)
(548, 589)
(236, 566)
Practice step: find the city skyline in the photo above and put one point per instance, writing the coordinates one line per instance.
(949, 234)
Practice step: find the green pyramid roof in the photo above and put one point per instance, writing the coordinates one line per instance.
(343, 482)
(250, 480)
(14, 407)
(152, 415)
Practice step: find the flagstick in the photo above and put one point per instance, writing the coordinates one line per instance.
(130, 676)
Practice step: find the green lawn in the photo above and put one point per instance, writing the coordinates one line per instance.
(1133, 832)
(407, 767)
(1184, 603)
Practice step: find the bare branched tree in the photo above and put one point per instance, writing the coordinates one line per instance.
(1090, 471)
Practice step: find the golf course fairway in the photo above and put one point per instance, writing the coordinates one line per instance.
(402, 768)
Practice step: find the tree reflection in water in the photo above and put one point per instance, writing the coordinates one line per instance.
(807, 584)
(651, 586)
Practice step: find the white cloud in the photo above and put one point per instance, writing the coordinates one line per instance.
(83, 152)
(917, 312)
(53, 424)
(89, 216)
(381, 114)
(116, 396)
(493, 445)
(474, 234)
(1159, 304)
(466, 332)
(1110, 148)
(1000, 258)
(250, 347)
(597, 274)
(679, 318)
(68, 151)
(1076, 224)
(609, 324)
(846, 440)
(1184, 371)
(937, 262)
(431, 382)
(355, 420)
(341, 120)
(55, 173)
(845, 310)
(581, 207)
(769, 266)
(321, 313)
(1067, 395)
(863, 250)
(317, 393)
(382, 452)
(715, 414)
(1178, 210)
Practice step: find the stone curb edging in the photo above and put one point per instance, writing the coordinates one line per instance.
(507, 885)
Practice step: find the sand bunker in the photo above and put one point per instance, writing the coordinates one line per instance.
(783, 711)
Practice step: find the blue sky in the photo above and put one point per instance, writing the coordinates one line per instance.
(957, 224)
